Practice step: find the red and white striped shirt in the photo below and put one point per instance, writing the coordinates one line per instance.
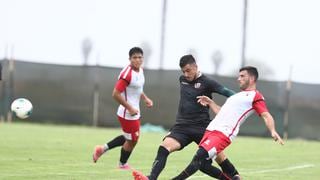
(235, 111)
(130, 84)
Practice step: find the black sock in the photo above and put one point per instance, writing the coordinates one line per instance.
(198, 160)
(159, 163)
(117, 141)
(228, 168)
(124, 156)
(210, 170)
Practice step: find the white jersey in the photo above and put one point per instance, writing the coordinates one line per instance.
(235, 111)
(131, 91)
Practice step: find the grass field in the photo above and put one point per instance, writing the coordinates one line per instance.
(32, 151)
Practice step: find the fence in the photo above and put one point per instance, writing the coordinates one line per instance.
(82, 95)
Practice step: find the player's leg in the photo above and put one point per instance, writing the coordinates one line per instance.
(125, 153)
(212, 143)
(198, 160)
(227, 167)
(101, 149)
(131, 131)
(167, 146)
(116, 142)
(197, 135)
(212, 171)
(175, 140)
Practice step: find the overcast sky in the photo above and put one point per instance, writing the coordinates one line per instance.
(280, 33)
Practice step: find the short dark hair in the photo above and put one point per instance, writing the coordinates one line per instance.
(187, 59)
(135, 50)
(252, 71)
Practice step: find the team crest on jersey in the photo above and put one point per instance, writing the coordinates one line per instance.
(197, 85)
(207, 142)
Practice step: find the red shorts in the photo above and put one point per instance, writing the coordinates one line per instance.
(214, 142)
(130, 128)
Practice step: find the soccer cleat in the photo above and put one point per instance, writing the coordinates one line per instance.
(98, 151)
(236, 177)
(139, 176)
(125, 166)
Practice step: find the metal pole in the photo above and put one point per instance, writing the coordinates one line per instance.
(11, 83)
(163, 29)
(286, 112)
(244, 33)
(95, 105)
(96, 93)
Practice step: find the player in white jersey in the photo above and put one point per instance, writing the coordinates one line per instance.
(225, 126)
(127, 92)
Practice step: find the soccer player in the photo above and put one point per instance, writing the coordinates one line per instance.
(191, 121)
(127, 92)
(225, 126)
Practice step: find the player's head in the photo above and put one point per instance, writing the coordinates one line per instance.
(248, 77)
(189, 67)
(136, 57)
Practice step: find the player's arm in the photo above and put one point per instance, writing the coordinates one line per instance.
(218, 88)
(116, 94)
(147, 100)
(259, 105)
(226, 92)
(206, 101)
(269, 121)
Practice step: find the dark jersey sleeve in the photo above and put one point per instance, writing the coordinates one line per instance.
(218, 88)
(226, 92)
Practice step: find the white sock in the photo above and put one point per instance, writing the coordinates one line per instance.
(105, 147)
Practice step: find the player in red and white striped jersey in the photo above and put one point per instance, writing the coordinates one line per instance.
(127, 92)
(225, 126)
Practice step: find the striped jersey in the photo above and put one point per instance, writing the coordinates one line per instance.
(235, 111)
(130, 84)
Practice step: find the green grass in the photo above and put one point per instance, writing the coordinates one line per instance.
(32, 151)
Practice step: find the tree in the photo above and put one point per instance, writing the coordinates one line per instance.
(265, 71)
(217, 59)
(86, 50)
(194, 53)
(147, 51)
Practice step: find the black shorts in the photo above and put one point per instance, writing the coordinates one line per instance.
(185, 134)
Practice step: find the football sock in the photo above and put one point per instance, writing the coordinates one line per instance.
(124, 156)
(198, 160)
(211, 170)
(159, 163)
(117, 141)
(105, 147)
(228, 168)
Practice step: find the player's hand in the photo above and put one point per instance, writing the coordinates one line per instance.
(149, 102)
(133, 111)
(204, 100)
(277, 138)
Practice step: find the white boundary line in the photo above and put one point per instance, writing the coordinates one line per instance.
(290, 168)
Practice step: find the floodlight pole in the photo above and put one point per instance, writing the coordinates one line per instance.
(244, 33)
(163, 29)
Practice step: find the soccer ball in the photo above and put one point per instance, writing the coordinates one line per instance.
(22, 108)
